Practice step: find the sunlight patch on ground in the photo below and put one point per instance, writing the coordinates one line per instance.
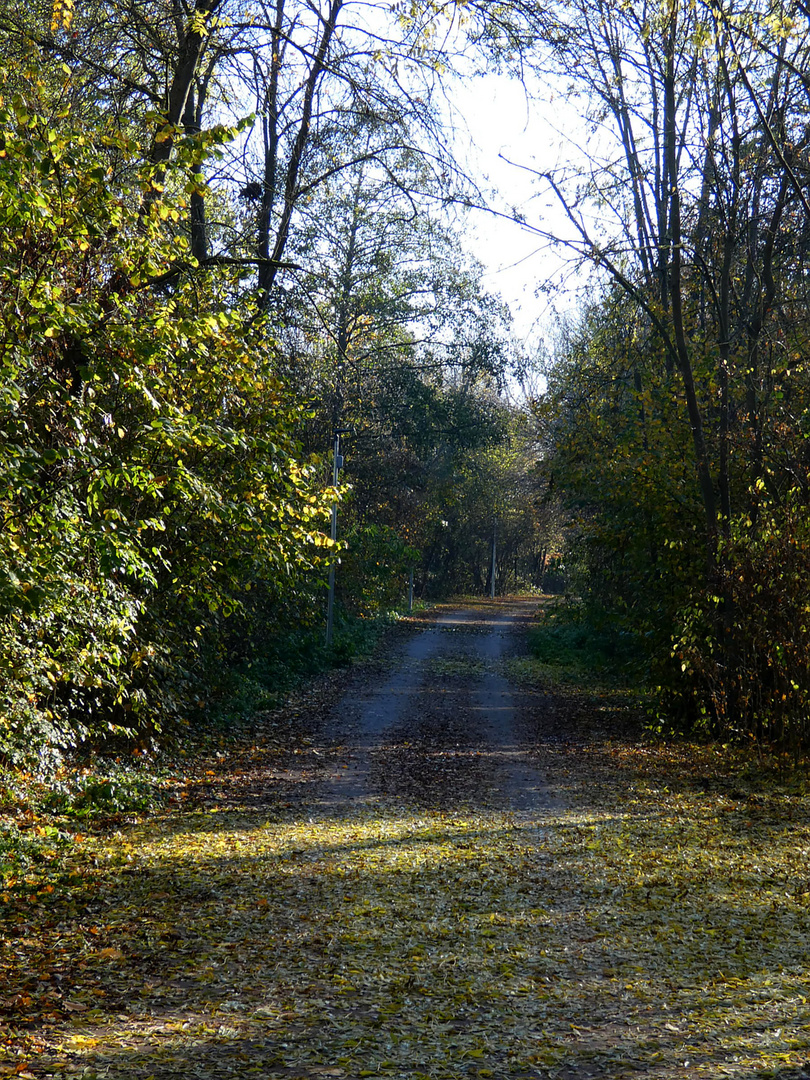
(668, 930)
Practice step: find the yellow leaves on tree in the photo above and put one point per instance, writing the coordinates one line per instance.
(62, 15)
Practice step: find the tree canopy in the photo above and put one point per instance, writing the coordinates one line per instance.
(676, 416)
(219, 243)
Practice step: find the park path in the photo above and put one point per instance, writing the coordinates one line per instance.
(443, 726)
(435, 871)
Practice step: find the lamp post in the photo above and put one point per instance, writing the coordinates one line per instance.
(492, 571)
(337, 465)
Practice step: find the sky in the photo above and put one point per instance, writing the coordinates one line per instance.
(506, 139)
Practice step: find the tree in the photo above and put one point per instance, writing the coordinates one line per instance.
(162, 517)
(392, 335)
(708, 110)
(149, 474)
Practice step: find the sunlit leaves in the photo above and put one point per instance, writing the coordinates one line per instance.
(148, 466)
(62, 15)
(659, 929)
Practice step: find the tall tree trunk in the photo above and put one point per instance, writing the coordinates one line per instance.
(672, 243)
(192, 42)
(192, 123)
(270, 129)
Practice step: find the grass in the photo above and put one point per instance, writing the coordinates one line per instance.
(114, 789)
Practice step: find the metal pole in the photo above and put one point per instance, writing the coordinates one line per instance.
(492, 575)
(410, 591)
(330, 604)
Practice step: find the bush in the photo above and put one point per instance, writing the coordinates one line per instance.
(91, 794)
(150, 477)
(744, 644)
(566, 640)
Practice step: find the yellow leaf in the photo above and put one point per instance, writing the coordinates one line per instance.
(111, 953)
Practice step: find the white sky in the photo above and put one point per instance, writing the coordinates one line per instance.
(504, 127)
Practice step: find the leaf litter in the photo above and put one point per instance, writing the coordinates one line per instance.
(659, 926)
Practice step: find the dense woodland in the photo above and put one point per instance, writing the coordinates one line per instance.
(231, 229)
(225, 237)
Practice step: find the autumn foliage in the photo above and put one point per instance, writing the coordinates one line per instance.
(150, 475)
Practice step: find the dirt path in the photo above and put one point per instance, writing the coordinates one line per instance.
(443, 728)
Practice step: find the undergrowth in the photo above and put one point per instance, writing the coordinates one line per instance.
(656, 923)
(566, 648)
(41, 814)
(284, 663)
(112, 790)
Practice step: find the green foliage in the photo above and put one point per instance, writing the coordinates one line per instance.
(276, 665)
(417, 355)
(116, 790)
(162, 498)
(281, 663)
(374, 568)
(617, 455)
(679, 439)
(573, 650)
(746, 641)
(726, 645)
(356, 636)
(25, 851)
(149, 472)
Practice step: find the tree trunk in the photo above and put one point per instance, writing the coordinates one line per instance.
(192, 43)
(673, 246)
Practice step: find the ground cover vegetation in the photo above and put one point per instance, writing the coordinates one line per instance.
(656, 921)
(223, 237)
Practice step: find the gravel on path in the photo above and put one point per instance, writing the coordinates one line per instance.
(442, 729)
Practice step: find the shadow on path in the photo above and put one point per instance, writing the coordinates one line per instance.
(441, 729)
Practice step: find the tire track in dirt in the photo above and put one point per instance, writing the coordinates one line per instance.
(442, 729)
(523, 786)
